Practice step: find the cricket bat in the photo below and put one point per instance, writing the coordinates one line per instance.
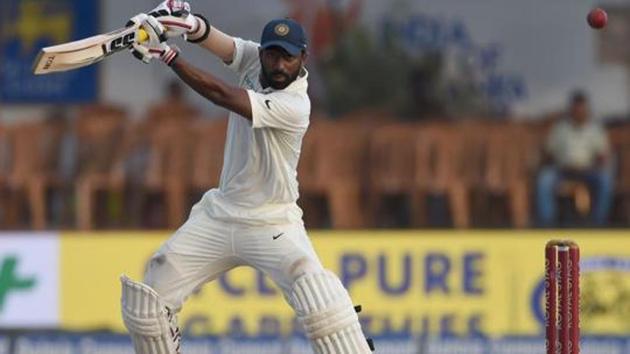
(74, 55)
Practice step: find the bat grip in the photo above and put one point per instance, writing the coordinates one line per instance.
(143, 36)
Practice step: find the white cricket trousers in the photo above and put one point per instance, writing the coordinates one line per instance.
(204, 248)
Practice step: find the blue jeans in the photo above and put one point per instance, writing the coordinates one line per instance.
(599, 182)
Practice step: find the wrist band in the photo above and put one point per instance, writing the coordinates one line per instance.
(169, 56)
(206, 31)
(172, 59)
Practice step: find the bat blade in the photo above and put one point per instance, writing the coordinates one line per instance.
(84, 52)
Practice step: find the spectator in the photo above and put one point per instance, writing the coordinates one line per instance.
(577, 149)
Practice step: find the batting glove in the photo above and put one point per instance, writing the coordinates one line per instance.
(163, 52)
(151, 26)
(171, 8)
(176, 16)
(155, 46)
(194, 28)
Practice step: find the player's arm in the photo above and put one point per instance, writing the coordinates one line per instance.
(209, 86)
(220, 44)
(176, 17)
(199, 31)
(277, 110)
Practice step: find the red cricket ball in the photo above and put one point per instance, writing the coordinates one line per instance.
(597, 18)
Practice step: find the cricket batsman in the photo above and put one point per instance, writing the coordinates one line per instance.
(252, 218)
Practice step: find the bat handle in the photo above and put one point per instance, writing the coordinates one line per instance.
(143, 36)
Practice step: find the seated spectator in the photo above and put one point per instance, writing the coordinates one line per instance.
(577, 149)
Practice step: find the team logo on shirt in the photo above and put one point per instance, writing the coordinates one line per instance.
(282, 29)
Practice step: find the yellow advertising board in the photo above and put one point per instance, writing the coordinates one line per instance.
(438, 282)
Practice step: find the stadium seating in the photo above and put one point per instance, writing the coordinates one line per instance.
(148, 173)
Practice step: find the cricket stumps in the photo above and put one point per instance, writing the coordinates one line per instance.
(562, 297)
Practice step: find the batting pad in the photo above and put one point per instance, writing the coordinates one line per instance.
(327, 314)
(153, 328)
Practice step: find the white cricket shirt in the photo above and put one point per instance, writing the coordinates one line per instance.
(577, 146)
(258, 183)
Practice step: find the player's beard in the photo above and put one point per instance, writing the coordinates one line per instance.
(281, 82)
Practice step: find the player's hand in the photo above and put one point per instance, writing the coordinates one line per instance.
(173, 8)
(155, 46)
(163, 52)
(180, 26)
(179, 22)
(153, 28)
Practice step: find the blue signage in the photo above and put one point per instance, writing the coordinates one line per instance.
(28, 25)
